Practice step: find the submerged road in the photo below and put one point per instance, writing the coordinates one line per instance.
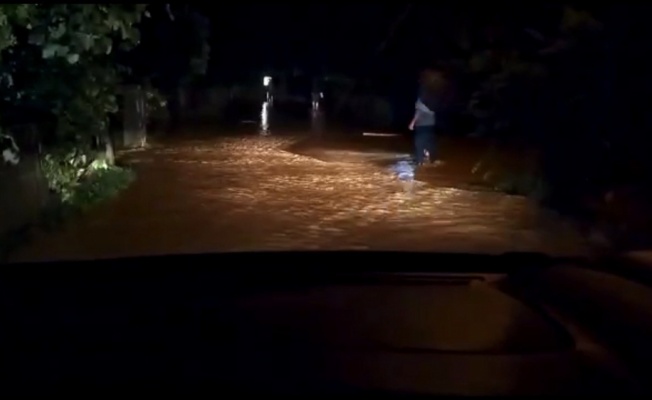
(243, 193)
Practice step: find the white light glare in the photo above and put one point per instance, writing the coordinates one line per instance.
(267, 80)
(264, 119)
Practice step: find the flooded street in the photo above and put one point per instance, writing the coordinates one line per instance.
(244, 193)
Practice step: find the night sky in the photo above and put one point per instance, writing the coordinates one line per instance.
(306, 36)
(346, 38)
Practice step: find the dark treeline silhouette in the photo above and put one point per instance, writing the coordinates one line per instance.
(567, 81)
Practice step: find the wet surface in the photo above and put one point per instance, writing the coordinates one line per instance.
(249, 193)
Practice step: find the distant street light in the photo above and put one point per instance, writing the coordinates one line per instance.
(268, 95)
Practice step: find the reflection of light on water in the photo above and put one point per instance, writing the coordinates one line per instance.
(315, 100)
(264, 119)
(316, 121)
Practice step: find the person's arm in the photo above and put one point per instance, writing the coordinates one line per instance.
(414, 119)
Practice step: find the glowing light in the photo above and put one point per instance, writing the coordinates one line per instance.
(267, 80)
(264, 119)
(315, 99)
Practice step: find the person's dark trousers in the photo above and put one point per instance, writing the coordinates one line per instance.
(424, 139)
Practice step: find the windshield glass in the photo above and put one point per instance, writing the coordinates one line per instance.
(132, 130)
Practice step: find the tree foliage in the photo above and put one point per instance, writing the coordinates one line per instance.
(536, 80)
(58, 66)
(182, 31)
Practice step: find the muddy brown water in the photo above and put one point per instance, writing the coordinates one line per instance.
(207, 193)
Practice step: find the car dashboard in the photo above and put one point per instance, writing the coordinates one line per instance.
(465, 325)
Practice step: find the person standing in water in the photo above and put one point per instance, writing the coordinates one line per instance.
(423, 122)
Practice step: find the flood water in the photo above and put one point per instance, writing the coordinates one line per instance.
(245, 186)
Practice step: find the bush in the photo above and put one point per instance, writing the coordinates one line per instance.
(78, 181)
(101, 185)
(76, 186)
